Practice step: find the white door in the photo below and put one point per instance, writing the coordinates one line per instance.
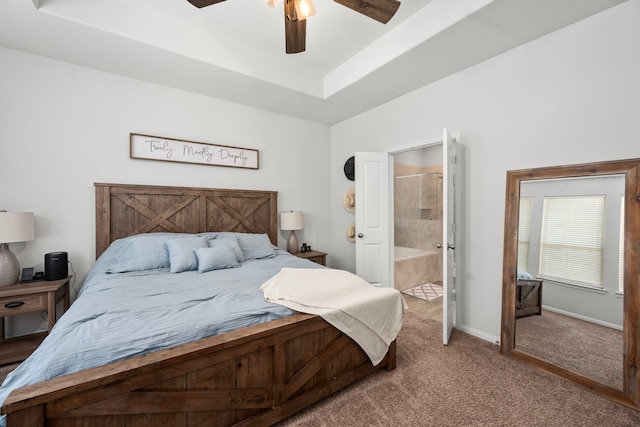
(373, 218)
(448, 234)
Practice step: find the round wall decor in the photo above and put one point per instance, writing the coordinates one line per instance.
(350, 168)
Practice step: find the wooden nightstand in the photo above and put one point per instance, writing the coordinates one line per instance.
(28, 298)
(315, 256)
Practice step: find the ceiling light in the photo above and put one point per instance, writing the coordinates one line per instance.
(297, 11)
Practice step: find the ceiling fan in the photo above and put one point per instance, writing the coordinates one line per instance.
(297, 11)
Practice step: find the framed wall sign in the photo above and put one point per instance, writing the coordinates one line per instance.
(176, 150)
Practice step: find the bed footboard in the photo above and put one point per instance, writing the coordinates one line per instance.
(254, 376)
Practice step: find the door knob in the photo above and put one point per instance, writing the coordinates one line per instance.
(360, 235)
(439, 245)
(451, 246)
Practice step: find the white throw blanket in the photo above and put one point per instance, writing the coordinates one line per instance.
(371, 316)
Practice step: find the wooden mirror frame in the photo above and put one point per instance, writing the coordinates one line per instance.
(630, 394)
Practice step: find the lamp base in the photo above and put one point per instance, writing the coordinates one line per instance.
(292, 243)
(9, 266)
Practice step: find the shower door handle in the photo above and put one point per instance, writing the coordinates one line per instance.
(449, 246)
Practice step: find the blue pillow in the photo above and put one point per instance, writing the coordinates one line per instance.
(181, 253)
(524, 275)
(255, 246)
(227, 240)
(142, 252)
(216, 258)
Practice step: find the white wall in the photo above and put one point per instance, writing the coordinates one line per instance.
(64, 127)
(572, 96)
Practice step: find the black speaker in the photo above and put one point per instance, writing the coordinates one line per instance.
(55, 266)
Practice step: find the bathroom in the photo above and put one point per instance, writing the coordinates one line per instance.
(418, 217)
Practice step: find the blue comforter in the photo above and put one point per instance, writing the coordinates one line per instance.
(118, 316)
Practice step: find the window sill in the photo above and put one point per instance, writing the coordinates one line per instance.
(594, 290)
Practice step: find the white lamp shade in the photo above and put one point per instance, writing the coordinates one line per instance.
(16, 227)
(304, 9)
(292, 220)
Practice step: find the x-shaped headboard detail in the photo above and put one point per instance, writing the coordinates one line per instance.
(123, 210)
(240, 218)
(156, 219)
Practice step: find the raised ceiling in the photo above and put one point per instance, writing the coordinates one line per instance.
(234, 50)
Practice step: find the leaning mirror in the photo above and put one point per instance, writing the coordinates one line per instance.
(570, 274)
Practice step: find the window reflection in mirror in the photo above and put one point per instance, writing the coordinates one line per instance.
(569, 308)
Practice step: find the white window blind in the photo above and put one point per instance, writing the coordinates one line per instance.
(524, 232)
(621, 250)
(572, 239)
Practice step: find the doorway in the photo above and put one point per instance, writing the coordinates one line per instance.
(417, 222)
(375, 229)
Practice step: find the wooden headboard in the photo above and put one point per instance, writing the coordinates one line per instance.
(123, 210)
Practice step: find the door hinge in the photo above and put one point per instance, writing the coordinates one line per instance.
(454, 159)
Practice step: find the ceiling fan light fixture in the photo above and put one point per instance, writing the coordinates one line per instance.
(304, 9)
(296, 13)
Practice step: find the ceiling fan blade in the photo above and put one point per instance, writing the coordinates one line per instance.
(203, 3)
(380, 10)
(295, 30)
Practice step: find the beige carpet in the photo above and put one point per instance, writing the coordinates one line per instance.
(467, 383)
(593, 350)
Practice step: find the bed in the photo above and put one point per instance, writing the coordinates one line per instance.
(254, 375)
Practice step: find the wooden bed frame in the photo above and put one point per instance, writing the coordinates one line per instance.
(253, 376)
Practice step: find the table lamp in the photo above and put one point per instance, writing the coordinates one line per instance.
(292, 220)
(14, 227)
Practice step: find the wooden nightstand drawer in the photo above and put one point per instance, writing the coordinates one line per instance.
(315, 256)
(27, 298)
(10, 306)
